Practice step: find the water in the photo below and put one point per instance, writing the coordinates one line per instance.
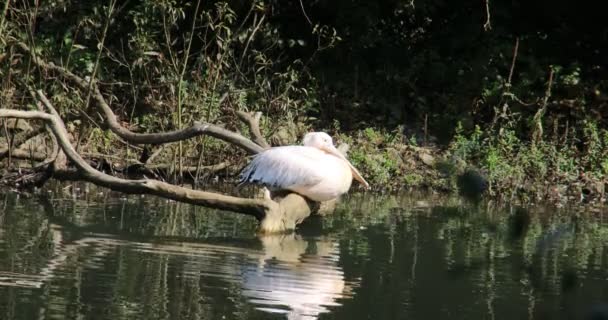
(382, 257)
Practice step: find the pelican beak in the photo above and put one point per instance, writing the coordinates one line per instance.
(356, 174)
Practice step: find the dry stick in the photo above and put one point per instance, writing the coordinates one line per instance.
(507, 90)
(197, 129)
(488, 25)
(156, 154)
(538, 131)
(515, 51)
(240, 28)
(253, 32)
(304, 12)
(509, 85)
(71, 50)
(8, 144)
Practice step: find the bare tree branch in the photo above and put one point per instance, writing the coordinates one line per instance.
(253, 122)
(248, 206)
(273, 216)
(196, 129)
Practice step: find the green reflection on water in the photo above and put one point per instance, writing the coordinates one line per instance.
(376, 257)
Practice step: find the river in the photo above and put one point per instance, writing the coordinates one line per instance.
(65, 255)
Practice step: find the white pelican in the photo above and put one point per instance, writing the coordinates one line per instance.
(316, 170)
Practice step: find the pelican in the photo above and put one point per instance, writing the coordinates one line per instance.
(316, 170)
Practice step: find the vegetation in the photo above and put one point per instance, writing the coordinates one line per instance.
(423, 92)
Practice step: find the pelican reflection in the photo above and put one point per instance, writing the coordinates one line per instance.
(280, 273)
(296, 277)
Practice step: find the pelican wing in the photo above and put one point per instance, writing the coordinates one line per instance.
(284, 167)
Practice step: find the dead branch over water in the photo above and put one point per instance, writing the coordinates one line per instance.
(275, 215)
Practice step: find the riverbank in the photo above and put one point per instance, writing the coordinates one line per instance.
(472, 166)
(476, 165)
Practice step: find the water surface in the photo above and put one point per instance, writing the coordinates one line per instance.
(376, 257)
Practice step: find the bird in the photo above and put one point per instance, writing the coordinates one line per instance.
(315, 169)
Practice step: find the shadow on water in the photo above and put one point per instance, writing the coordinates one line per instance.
(380, 257)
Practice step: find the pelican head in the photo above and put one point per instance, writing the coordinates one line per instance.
(320, 140)
(323, 141)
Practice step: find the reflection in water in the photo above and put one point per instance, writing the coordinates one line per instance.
(278, 274)
(287, 275)
(375, 258)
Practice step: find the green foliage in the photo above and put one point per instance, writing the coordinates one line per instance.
(465, 146)
(364, 69)
(380, 166)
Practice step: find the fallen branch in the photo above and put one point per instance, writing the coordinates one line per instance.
(196, 129)
(253, 122)
(273, 216)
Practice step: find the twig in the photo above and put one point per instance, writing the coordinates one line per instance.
(253, 32)
(538, 130)
(548, 90)
(304, 12)
(488, 25)
(515, 50)
(9, 146)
